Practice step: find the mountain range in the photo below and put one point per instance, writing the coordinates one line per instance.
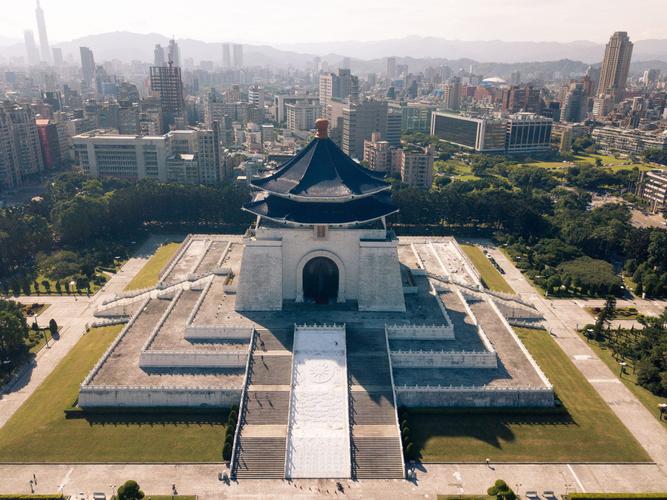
(416, 51)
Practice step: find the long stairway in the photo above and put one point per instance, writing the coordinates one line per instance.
(261, 448)
(375, 442)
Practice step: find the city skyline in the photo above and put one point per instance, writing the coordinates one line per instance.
(506, 20)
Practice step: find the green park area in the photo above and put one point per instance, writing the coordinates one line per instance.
(584, 429)
(492, 278)
(150, 273)
(40, 431)
(607, 161)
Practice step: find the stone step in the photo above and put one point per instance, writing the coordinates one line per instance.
(261, 458)
(368, 370)
(266, 407)
(377, 458)
(268, 370)
(270, 340)
(372, 408)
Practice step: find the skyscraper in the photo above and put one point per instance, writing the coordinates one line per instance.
(226, 56)
(238, 55)
(615, 66)
(31, 48)
(166, 81)
(87, 66)
(391, 67)
(174, 53)
(43, 39)
(20, 150)
(158, 55)
(57, 56)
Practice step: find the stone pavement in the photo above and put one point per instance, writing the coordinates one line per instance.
(433, 479)
(71, 314)
(644, 426)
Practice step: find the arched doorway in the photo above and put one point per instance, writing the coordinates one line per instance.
(320, 281)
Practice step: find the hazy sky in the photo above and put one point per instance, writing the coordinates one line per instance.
(288, 21)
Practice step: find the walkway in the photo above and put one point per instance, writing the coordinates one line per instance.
(318, 439)
(71, 314)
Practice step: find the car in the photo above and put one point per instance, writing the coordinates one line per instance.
(97, 495)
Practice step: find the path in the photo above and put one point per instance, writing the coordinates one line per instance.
(71, 314)
(644, 426)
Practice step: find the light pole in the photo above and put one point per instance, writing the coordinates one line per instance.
(113, 489)
(623, 365)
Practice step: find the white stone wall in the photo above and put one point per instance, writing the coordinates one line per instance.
(477, 397)
(203, 332)
(193, 359)
(380, 284)
(144, 397)
(420, 332)
(443, 359)
(261, 282)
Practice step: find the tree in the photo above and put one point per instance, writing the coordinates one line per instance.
(35, 284)
(59, 288)
(53, 327)
(130, 491)
(13, 331)
(598, 162)
(47, 286)
(501, 490)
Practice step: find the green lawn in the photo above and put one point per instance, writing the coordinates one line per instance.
(492, 278)
(645, 397)
(39, 431)
(588, 431)
(150, 273)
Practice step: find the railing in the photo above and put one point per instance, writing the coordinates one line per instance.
(393, 394)
(161, 321)
(233, 464)
(167, 268)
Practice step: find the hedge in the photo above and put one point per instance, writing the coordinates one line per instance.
(53, 496)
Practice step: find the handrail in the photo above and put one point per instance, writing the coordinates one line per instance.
(393, 393)
(239, 419)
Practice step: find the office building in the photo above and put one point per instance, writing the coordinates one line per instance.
(615, 66)
(451, 94)
(415, 117)
(416, 166)
(479, 134)
(49, 143)
(568, 133)
(57, 53)
(528, 133)
(30, 48)
(20, 148)
(238, 55)
(174, 53)
(575, 104)
(652, 187)
(256, 96)
(226, 56)
(87, 67)
(391, 67)
(342, 86)
(378, 154)
(189, 156)
(360, 120)
(166, 82)
(158, 55)
(525, 98)
(629, 141)
(301, 115)
(45, 50)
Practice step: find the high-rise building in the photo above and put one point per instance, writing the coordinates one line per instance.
(480, 134)
(87, 66)
(528, 133)
(20, 149)
(30, 48)
(451, 97)
(615, 65)
(524, 98)
(574, 105)
(342, 85)
(416, 166)
(238, 55)
(166, 82)
(226, 56)
(652, 187)
(301, 115)
(256, 96)
(378, 154)
(158, 55)
(360, 120)
(49, 142)
(391, 67)
(57, 56)
(174, 53)
(45, 50)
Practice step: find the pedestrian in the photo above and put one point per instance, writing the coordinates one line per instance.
(34, 477)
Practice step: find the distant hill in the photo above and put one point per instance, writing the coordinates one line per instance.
(487, 57)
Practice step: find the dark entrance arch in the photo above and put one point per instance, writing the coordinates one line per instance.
(320, 281)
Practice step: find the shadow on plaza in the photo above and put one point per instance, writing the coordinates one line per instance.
(152, 417)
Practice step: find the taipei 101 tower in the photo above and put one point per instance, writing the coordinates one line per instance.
(44, 48)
